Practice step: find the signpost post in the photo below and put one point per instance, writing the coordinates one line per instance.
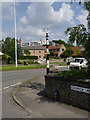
(47, 47)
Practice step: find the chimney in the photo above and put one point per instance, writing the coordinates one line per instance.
(20, 41)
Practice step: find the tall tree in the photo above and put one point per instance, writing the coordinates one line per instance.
(62, 42)
(19, 49)
(77, 33)
(8, 48)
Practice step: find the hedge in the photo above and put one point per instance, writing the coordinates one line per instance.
(28, 57)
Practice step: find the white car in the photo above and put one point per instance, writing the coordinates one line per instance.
(79, 63)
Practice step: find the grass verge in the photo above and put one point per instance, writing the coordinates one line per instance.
(11, 68)
(57, 62)
(81, 74)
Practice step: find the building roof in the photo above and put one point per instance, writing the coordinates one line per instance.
(54, 47)
(33, 47)
(77, 48)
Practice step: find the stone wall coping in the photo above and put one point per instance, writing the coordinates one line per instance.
(68, 79)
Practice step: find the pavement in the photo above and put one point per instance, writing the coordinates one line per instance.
(30, 97)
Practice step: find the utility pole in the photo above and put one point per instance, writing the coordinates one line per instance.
(88, 20)
(15, 35)
(47, 47)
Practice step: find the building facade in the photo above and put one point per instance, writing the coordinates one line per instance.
(58, 50)
(35, 51)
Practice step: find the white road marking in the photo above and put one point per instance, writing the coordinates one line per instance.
(11, 86)
(5, 87)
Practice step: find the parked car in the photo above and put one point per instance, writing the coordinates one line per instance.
(79, 63)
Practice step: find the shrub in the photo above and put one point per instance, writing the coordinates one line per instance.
(4, 57)
(19, 62)
(76, 73)
(32, 62)
(28, 57)
(22, 62)
(12, 62)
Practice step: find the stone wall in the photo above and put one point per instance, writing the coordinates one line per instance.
(71, 91)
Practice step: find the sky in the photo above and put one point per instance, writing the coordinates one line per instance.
(33, 17)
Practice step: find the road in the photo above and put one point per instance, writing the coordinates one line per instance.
(10, 109)
(10, 80)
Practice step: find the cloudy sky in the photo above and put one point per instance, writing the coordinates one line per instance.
(33, 17)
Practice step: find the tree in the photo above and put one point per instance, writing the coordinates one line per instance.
(87, 49)
(62, 42)
(59, 41)
(77, 53)
(86, 36)
(67, 53)
(52, 53)
(78, 34)
(8, 48)
(26, 51)
(19, 50)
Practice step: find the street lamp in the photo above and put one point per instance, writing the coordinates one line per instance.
(47, 46)
(15, 35)
(88, 20)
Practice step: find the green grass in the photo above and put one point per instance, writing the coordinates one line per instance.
(57, 62)
(76, 73)
(63, 65)
(10, 68)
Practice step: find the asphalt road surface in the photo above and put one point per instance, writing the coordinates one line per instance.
(10, 80)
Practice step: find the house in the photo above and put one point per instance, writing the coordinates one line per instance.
(58, 50)
(34, 43)
(77, 51)
(35, 51)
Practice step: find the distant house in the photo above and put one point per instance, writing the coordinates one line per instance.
(35, 43)
(58, 50)
(77, 51)
(35, 51)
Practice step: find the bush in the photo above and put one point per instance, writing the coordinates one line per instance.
(36, 63)
(32, 62)
(12, 62)
(28, 57)
(4, 57)
(80, 74)
(19, 62)
(22, 62)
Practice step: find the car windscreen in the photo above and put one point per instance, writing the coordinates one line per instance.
(77, 60)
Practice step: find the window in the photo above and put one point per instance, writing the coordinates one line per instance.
(33, 51)
(62, 49)
(39, 56)
(39, 51)
(57, 50)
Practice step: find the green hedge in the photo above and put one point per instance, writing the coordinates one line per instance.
(4, 57)
(28, 57)
(80, 74)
